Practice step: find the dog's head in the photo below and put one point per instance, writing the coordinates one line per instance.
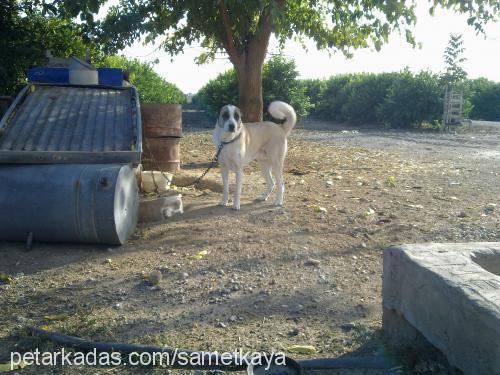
(230, 119)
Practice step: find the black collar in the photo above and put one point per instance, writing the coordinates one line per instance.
(232, 140)
(219, 149)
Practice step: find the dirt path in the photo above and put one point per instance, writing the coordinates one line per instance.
(257, 288)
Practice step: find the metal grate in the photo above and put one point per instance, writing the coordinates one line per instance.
(71, 119)
(97, 122)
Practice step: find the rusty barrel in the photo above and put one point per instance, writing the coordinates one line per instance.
(161, 133)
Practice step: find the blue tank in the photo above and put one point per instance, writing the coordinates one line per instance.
(90, 203)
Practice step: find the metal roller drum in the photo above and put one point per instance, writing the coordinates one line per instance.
(90, 203)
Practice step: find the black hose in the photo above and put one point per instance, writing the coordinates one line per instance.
(230, 364)
(344, 363)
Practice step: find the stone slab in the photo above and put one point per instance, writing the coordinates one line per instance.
(449, 294)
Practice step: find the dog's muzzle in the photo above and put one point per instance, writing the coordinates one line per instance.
(231, 128)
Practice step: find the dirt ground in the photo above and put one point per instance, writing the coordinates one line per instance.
(307, 273)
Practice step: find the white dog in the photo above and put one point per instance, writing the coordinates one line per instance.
(242, 143)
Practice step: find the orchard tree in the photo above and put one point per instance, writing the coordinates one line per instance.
(242, 29)
(453, 59)
(26, 34)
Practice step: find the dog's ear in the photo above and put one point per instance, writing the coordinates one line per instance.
(224, 112)
(219, 122)
(237, 114)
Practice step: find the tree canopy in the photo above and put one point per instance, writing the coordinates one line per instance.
(242, 29)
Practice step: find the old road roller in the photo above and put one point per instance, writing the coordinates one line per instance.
(67, 158)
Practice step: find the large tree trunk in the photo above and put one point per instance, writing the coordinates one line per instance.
(249, 75)
(249, 62)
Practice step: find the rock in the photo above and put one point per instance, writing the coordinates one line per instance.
(233, 318)
(348, 326)
(294, 332)
(185, 275)
(489, 208)
(312, 262)
(221, 325)
(462, 214)
(118, 306)
(154, 277)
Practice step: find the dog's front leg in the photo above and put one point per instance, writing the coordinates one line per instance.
(225, 181)
(237, 193)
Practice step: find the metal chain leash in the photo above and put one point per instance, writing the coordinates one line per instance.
(213, 163)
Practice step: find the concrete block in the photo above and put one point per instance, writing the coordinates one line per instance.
(450, 294)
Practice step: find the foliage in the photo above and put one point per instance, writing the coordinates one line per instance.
(314, 89)
(413, 100)
(395, 99)
(364, 95)
(398, 99)
(218, 92)
(25, 38)
(242, 29)
(331, 24)
(485, 99)
(279, 82)
(453, 58)
(152, 87)
(334, 98)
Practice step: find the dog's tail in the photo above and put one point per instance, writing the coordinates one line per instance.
(283, 111)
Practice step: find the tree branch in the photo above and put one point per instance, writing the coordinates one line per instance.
(260, 40)
(233, 53)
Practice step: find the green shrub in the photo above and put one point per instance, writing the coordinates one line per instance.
(25, 39)
(399, 99)
(485, 100)
(314, 89)
(218, 92)
(365, 94)
(152, 87)
(279, 82)
(334, 97)
(412, 100)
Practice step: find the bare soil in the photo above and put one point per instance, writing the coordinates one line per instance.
(350, 193)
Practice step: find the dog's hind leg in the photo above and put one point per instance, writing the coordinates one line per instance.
(237, 193)
(225, 181)
(278, 176)
(266, 173)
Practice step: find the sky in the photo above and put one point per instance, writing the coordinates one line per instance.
(482, 53)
